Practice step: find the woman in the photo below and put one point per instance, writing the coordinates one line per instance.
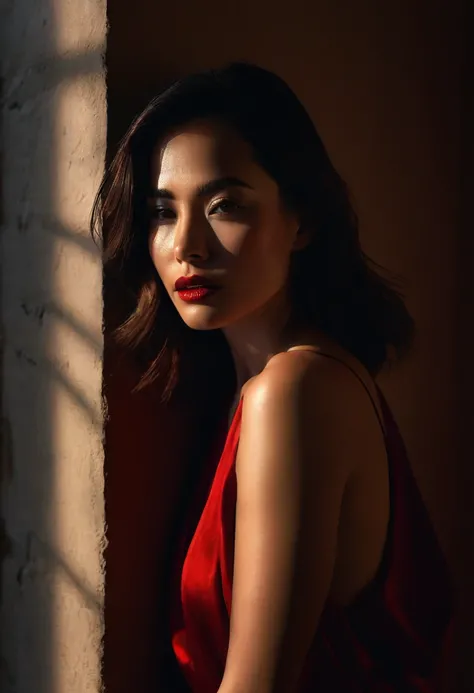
(307, 561)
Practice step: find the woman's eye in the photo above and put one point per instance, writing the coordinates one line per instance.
(225, 207)
(161, 213)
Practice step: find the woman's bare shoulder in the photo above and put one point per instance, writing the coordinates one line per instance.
(309, 373)
(314, 398)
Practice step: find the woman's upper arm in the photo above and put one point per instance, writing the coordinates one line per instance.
(293, 463)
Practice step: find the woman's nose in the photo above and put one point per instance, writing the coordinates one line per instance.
(191, 240)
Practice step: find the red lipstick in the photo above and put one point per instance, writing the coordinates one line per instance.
(194, 288)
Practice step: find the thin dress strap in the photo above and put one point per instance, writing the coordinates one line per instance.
(375, 404)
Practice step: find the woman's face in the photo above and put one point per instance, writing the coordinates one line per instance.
(220, 237)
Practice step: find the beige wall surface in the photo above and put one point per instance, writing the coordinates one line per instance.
(386, 83)
(53, 134)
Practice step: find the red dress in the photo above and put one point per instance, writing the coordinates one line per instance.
(390, 640)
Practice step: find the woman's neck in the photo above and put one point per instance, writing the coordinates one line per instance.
(254, 340)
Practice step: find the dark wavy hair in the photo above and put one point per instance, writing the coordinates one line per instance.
(332, 282)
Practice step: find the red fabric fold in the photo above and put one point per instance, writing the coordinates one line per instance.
(389, 641)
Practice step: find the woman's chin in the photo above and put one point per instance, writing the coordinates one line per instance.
(202, 318)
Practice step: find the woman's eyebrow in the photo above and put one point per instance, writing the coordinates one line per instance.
(206, 189)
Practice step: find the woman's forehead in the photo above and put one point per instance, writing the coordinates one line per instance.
(203, 151)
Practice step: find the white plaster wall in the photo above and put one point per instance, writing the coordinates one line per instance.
(53, 142)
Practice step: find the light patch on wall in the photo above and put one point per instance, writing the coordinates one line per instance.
(80, 25)
(74, 349)
(81, 138)
(75, 317)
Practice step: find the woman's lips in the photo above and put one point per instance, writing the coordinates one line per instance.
(194, 288)
(196, 294)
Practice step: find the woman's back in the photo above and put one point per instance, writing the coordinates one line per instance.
(388, 639)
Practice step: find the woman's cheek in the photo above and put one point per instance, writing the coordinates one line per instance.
(237, 238)
(161, 243)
